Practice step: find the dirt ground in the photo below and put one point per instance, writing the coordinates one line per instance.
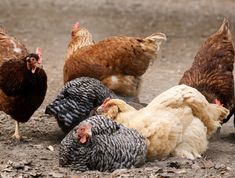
(47, 24)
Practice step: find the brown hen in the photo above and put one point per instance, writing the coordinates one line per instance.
(23, 82)
(212, 70)
(112, 60)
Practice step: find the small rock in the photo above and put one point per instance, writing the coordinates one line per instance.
(222, 172)
(36, 174)
(159, 170)
(56, 175)
(182, 171)
(7, 170)
(208, 164)
(51, 148)
(195, 166)
(9, 162)
(38, 146)
(220, 166)
(18, 165)
(27, 168)
(228, 168)
(174, 164)
(26, 162)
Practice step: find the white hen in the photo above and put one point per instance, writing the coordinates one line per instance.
(178, 122)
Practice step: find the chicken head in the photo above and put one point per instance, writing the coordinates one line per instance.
(75, 28)
(83, 132)
(34, 61)
(108, 109)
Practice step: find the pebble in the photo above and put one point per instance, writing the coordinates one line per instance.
(51, 148)
(56, 175)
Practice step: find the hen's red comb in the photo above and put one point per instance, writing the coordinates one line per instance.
(76, 26)
(106, 100)
(216, 101)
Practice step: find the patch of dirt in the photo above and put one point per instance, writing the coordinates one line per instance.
(47, 24)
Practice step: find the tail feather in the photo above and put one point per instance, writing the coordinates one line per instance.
(68, 112)
(225, 29)
(231, 113)
(157, 38)
(2, 30)
(211, 115)
(225, 26)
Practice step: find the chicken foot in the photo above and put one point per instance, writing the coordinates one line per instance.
(17, 135)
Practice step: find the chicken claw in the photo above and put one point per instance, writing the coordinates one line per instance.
(17, 135)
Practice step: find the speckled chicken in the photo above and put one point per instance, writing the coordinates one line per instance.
(118, 62)
(77, 99)
(212, 69)
(101, 144)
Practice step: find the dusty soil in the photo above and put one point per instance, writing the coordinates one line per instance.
(47, 23)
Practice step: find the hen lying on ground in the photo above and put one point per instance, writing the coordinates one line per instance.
(77, 99)
(23, 83)
(116, 61)
(101, 144)
(177, 122)
(212, 70)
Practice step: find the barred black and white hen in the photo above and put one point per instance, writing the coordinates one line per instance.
(99, 143)
(77, 99)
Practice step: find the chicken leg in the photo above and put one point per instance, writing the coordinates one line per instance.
(16, 135)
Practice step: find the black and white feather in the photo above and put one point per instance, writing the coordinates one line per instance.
(77, 98)
(111, 146)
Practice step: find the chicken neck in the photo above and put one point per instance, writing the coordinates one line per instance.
(123, 106)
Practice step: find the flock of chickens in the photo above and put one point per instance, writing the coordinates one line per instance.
(98, 108)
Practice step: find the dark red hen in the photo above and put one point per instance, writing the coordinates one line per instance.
(212, 70)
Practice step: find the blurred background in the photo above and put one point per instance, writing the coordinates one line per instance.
(47, 23)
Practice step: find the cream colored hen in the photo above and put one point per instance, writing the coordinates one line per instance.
(178, 122)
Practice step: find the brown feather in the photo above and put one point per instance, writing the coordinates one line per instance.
(23, 83)
(123, 58)
(22, 92)
(212, 70)
(10, 47)
(115, 55)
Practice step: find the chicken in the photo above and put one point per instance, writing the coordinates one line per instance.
(118, 62)
(77, 99)
(177, 122)
(212, 70)
(23, 83)
(101, 144)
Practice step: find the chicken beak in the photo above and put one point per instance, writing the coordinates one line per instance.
(36, 65)
(84, 139)
(89, 133)
(99, 110)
